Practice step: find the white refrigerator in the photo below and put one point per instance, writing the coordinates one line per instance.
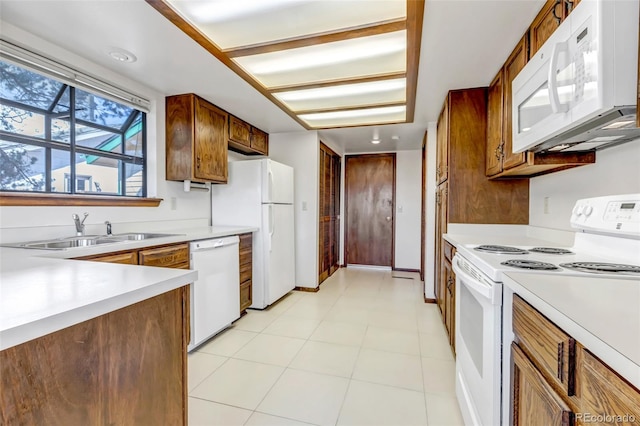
(259, 193)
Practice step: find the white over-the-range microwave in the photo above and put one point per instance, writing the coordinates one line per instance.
(579, 90)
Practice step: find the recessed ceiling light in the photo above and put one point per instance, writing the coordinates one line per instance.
(120, 55)
(375, 141)
(395, 137)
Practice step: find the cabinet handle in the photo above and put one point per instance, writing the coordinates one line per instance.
(555, 7)
(570, 4)
(197, 162)
(560, 360)
(438, 198)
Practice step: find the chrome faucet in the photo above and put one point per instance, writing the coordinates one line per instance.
(79, 224)
(106, 222)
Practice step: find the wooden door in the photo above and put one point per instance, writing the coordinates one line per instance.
(495, 139)
(210, 142)
(442, 147)
(370, 200)
(329, 213)
(512, 67)
(534, 401)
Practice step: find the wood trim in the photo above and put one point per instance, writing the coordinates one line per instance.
(319, 38)
(429, 300)
(358, 125)
(308, 289)
(338, 82)
(196, 35)
(351, 108)
(417, 271)
(50, 199)
(415, 14)
(423, 204)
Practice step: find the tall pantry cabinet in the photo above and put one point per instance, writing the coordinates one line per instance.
(464, 193)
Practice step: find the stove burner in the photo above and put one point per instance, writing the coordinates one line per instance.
(550, 250)
(603, 268)
(500, 249)
(530, 264)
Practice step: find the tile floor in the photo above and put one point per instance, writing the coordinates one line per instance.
(364, 350)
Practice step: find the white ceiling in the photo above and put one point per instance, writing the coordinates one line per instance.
(464, 42)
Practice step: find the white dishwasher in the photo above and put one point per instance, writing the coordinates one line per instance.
(215, 295)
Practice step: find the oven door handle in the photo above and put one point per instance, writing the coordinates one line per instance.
(492, 293)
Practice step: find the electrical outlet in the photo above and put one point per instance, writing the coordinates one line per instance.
(546, 205)
(304, 206)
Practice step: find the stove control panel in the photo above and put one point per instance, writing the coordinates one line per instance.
(618, 214)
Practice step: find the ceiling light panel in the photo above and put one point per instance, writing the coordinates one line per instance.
(345, 95)
(237, 23)
(360, 117)
(364, 56)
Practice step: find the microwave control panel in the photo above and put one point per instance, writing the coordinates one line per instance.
(614, 214)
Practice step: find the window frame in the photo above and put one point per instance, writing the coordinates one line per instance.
(46, 196)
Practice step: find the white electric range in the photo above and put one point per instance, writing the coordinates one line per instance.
(607, 245)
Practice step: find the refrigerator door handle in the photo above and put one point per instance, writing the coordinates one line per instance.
(270, 188)
(272, 225)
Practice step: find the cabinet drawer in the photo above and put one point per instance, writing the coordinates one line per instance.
(449, 251)
(245, 257)
(245, 295)
(245, 272)
(550, 348)
(176, 256)
(127, 258)
(603, 392)
(239, 131)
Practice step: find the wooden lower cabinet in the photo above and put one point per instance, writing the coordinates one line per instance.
(557, 381)
(446, 292)
(125, 367)
(534, 401)
(246, 271)
(167, 256)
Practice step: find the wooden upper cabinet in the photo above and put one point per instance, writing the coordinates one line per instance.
(259, 141)
(196, 133)
(239, 131)
(495, 110)
(246, 139)
(534, 401)
(549, 18)
(442, 147)
(515, 63)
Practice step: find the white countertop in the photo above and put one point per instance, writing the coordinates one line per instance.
(518, 235)
(42, 292)
(602, 314)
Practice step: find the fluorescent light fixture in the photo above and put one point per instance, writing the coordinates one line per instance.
(324, 54)
(353, 113)
(358, 117)
(343, 90)
(222, 10)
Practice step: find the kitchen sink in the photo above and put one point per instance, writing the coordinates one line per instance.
(87, 241)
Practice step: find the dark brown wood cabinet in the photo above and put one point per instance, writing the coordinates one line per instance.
(465, 194)
(448, 293)
(196, 140)
(555, 380)
(167, 256)
(501, 161)
(246, 139)
(329, 217)
(125, 367)
(552, 14)
(246, 271)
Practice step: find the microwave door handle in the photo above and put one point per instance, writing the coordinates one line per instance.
(554, 99)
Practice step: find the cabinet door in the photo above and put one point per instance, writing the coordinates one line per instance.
(450, 302)
(549, 18)
(441, 228)
(442, 147)
(210, 143)
(259, 141)
(512, 67)
(495, 139)
(175, 256)
(533, 400)
(239, 131)
(127, 258)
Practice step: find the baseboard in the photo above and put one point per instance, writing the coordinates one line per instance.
(307, 289)
(406, 270)
(429, 300)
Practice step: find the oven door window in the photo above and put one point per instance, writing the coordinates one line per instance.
(471, 326)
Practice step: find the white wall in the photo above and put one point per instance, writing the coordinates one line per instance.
(190, 208)
(430, 213)
(616, 171)
(408, 205)
(300, 150)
